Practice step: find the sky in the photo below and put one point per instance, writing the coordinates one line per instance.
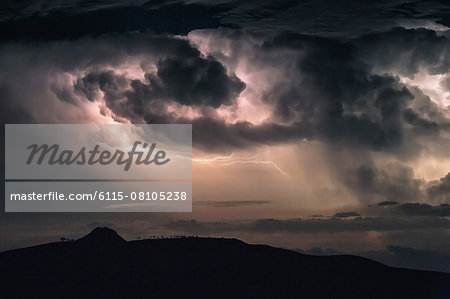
(319, 126)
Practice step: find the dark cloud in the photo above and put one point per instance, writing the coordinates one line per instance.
(346, 215)
(12, 113)
(337, 97)
(350, 106)
(440, 190)
(387, 203)
(213, 134)
(327, 18)
(329, 225)
(395, 184)
(399, 187)
(184, 77)
(198, 81)
(423, 209)
(416, 209)
(405, 51)
(231, 203)
(353, 104)
(445, 83)
(320, 251)
(41, 19)
(18, 21)
(193, 226)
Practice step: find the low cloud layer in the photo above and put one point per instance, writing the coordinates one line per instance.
(328, 225)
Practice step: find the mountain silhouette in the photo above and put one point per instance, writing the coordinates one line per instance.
(103, 265)
(102, 236)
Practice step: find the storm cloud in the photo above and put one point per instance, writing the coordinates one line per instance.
(359, 103)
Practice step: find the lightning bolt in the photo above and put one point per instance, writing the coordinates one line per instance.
(215, 159)
(231, 160)
(258, 162)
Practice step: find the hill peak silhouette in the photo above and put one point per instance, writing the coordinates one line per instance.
(103, 264)
(103, 235)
